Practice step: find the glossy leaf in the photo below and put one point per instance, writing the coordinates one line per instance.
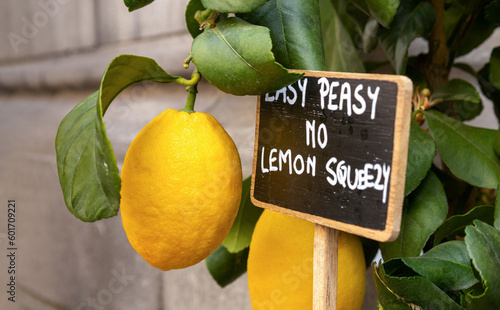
(295, 32)
(410, 292)
(455, 225)
(383, 11)
(226, 267)
(236, 57)
(495, 68)
(483, 244)
(466, 150)
(480, 30)
(192, 24)
(136, 4)
(425, 210)
(414, 19)
(457, 89)
(86, 164)
(340, 51)
(421, 152)
(466, 98)
(446, 265)
(240, 235)
(233, 6)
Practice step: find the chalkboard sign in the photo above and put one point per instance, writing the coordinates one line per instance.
(332, 148)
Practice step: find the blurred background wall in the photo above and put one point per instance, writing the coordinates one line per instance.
(52, 55)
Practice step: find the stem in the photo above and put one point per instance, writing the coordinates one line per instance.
(192, 89)
(437, 63)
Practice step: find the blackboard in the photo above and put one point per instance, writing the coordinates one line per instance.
(332, 148)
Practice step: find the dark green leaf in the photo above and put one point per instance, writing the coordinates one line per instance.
(496, 143)
(455, 225)
(295, 32)
(236, 57)
(483, 244)
(192, 24)
(86, 164)
(466, 97)
(386, 297)
(480, 30)
(495, 68)
(136, 4)
(466, 150)
(447, 265)
(383, 11)
(410, 292)
(421, 152)
(340, 51)
(425, 211)
(466, 68)
(497, 211)
(414, 19)
(492, 11)
(226, 267)
(488, 89)
(240, 235)
(457, 89)
(233, 6)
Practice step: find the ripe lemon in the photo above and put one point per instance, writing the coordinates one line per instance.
(181, 188)
(280, 265)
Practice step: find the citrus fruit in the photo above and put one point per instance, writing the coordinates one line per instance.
(181, 189)
(280, 265)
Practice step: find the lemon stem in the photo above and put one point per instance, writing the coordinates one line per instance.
(192, 89)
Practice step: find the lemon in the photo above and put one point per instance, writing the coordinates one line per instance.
(280, 265)
(181, 188)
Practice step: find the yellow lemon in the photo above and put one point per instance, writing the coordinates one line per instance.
(280, 265)
(181, 188)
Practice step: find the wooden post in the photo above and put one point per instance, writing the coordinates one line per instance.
(325, 268)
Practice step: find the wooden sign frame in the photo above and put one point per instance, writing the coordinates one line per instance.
(395, 192)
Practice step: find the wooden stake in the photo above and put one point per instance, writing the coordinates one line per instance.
(325, 268)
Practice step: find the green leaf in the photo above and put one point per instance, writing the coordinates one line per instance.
(410, 292)
(466, 68)
(240, 235)
(383, 11)
(495, 68)
(425, 211)
(483, 244)
(340, 51)
(466, 150)
(447, 265)
(192, 24)
(386, 297)
(86, 164)
(488, 89)
(455, 225)
(233, 6)
(226, 267)
(457, 89)
(295, 32)
(421, 152)
(492, 11)
(236, 57)
(136, 4)
(467, 100)
(497, 211)
(414, 19)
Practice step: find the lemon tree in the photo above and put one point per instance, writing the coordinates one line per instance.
(245, 47)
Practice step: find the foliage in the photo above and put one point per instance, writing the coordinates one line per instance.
(451, 213)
